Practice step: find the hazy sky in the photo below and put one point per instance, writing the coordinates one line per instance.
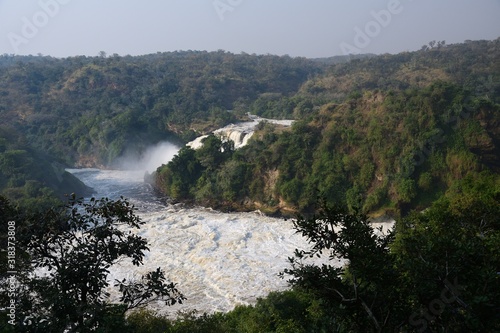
(312, 28)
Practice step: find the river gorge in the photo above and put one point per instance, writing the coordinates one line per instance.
(218, 260)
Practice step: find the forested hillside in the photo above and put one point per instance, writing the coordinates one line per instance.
(87, 111)
(383, 134)
(415, 136)
(31, 178)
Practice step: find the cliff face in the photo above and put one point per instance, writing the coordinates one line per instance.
(89, 161)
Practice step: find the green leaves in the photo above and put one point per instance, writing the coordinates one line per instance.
(150, 287)
(76, 245)
(438, 268)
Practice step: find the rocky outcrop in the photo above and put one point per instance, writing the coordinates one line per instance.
(65, 183)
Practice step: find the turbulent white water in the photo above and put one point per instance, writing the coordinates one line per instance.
(239, 133)
(218, 259)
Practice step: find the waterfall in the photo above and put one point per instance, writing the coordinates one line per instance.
(219, 260)
(239, 133)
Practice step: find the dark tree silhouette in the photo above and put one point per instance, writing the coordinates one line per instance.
(71, 250)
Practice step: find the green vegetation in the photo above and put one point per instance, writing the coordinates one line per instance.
(380, 152)
(414, 135)
(90, 110)
(382, 134)
(286, 312)
(436, 271)
(74, 246)
(32, 179)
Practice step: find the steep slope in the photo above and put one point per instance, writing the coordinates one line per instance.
(384, 135)
(90, 110)
(31, 179)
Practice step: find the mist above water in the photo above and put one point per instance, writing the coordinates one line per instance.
(150, 159)
(219, 260)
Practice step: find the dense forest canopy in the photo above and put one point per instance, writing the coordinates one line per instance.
(384, 134)
(414, 135)
(90, 110)
(380, 132)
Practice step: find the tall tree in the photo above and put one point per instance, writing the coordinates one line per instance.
(437, 272)
(71, 251)
(360, 294)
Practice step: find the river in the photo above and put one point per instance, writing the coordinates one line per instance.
(218, 260)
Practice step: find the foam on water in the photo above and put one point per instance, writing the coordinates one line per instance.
(218, 259)
(239, 133)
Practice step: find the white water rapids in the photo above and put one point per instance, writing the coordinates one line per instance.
(218, 260)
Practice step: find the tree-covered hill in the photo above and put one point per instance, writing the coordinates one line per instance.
(384, 134)
(32, 179)
(474, 66)
(377, 151)
(90, 110)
